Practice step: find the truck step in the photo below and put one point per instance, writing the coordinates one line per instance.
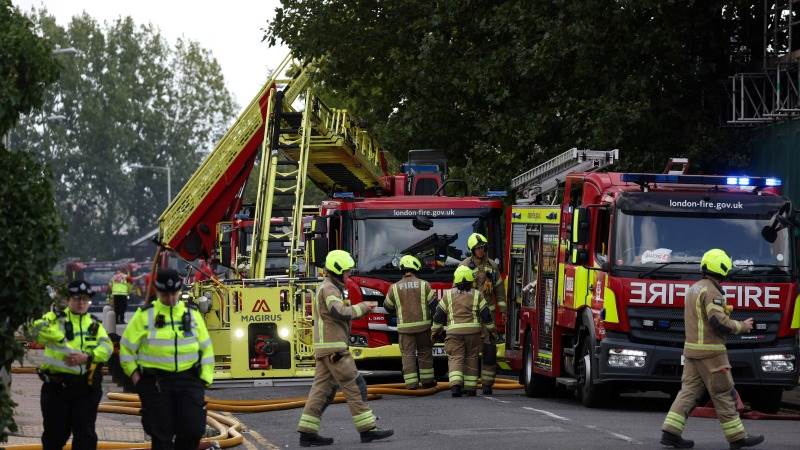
(567, 382)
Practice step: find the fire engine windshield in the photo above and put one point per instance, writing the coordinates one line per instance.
(645, 240)
(441, 244)
(98, 277)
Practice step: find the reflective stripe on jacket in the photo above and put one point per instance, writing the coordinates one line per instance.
(172, 347)
(88, 336)
(409, 299)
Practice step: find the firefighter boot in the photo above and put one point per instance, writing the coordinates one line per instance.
(470, 393)
(747, 441)
(314, 440)
(428, 384)
(673, 440)
(375, 434)
(456, 390)
(487, 390)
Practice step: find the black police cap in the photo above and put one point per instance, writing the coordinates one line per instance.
(79, 287)
(168, 280)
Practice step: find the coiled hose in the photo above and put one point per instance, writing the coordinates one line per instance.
(228, 428)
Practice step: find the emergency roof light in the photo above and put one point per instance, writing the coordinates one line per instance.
(496, 194)
(419, 168)
(644, 178)
(343, 195)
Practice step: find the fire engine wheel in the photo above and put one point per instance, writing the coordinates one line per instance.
(591, 394)
(535, 385)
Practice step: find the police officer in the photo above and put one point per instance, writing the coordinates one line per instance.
(167, 352)
(334, 364)
(490, 283)
(76, 345)
(706, 366)
(462, 310)
(119, 288)
(412, 299)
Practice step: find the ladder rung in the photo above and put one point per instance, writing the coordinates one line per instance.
(288, 163)
(285, 178)
(288, 146)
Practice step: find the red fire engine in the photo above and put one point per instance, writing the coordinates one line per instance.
(601, 264)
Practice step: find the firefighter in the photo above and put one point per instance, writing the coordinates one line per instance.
(706, 365)
(462, 310)
(120, 288)
(334, 365)
(76, 346)
(489, 282)
(412, 299)
(167, 353)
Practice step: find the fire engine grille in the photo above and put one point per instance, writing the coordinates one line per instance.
(665, 326)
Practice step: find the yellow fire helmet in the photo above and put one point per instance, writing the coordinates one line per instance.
(716, 261)
(463, 273)
(338, 261)
(476, 240)
(410, 262)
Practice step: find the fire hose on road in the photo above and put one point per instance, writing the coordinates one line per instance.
(228, 428)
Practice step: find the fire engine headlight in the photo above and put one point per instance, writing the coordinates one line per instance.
(283, 332)
(357, 340)
(238, 333)
(626, 358)
(780, 363)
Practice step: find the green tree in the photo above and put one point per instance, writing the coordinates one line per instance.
(29, 224)
(503, 85)
(129, 97)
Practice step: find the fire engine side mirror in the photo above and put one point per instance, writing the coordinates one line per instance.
(319, 250)
(580, 226)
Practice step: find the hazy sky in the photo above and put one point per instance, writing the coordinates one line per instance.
(231, 29)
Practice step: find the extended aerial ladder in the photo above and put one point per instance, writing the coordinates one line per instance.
(318, 143)
(535, 184)
(260, 323)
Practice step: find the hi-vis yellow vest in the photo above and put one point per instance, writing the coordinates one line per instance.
(63, 333)
(167, 338)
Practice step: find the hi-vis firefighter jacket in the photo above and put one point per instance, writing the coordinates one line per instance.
(462, 312)
(707, 323)
(169, 339)
(332, 317)
(412, 299)
(63, 333)
(488, 280)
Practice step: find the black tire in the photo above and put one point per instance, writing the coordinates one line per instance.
(535, 385)
(591, 394)
(766, 399)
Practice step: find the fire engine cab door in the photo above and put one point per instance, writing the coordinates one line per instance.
(544, 298)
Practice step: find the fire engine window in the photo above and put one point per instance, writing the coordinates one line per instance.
(601, 241)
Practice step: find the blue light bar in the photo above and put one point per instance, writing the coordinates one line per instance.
(496, 194)
(714, 180)
(343, 195)
(419, 168)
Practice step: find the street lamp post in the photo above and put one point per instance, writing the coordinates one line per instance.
(165, 169)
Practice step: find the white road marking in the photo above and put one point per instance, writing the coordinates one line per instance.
(262, 440)
(616, 435)
(547, 413)
(503, 431)
(496, 399)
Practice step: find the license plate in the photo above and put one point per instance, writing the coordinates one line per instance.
(439, 351)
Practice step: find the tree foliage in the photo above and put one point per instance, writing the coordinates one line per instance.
(504, 85)
(29, 224)
(129, 97)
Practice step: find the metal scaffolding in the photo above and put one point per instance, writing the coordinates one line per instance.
(773, 94)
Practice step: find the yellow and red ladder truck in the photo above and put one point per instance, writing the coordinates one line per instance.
(259, 316)
(600, 266)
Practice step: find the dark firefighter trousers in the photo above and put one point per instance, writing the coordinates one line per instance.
(120, 306)
(69, 407)
(173, 409)
(488, 359)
